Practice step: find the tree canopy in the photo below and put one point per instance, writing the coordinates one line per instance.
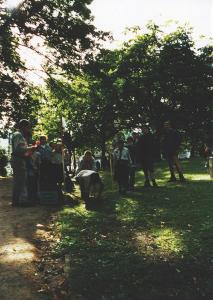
(153, 77)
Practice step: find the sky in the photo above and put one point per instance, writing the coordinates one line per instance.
(116, 15)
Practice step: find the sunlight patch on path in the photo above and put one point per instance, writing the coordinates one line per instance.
(18, 251)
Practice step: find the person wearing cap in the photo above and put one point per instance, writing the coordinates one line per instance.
(171, 142)
(121, 162)
(20, 152)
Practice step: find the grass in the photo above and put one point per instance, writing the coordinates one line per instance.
(148, 244)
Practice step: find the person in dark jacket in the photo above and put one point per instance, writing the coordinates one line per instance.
(170, 146)
(132, 152)
(145, 155)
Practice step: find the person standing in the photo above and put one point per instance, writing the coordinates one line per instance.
(20, 153)
(46, 174)
(122, 162)
(171, 142)
(57, 169)
(33, 168)
(131, 146)
(145, 155)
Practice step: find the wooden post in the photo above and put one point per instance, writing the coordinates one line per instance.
(211, 166)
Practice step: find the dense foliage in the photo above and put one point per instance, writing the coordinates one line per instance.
(153, 77)
(64, 27)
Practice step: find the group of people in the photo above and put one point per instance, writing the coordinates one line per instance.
(140, 150)
(37, 166)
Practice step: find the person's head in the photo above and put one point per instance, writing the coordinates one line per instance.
(43, 140)
(120, 144)
(25, 127)
(130, 140)
(87, 155)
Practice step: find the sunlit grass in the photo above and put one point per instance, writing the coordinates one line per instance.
(161, 242)
(127, 244)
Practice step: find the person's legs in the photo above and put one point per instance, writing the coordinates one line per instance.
(20, 195)
(123, 177)
(131, 178)
(171, 168)
(151, 173)
(145, 168)
(178, 167)
(117, 177)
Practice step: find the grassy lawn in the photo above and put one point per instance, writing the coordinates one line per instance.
(149, 244)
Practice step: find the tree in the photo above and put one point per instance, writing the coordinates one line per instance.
(163, 76)
(64, 26)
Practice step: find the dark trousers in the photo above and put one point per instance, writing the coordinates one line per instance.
(148, 169)
(131, 177)
(122, 174)
(173, 163)
(20, 193)
(32, 187)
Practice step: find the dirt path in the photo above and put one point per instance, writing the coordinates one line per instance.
(20, 231)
